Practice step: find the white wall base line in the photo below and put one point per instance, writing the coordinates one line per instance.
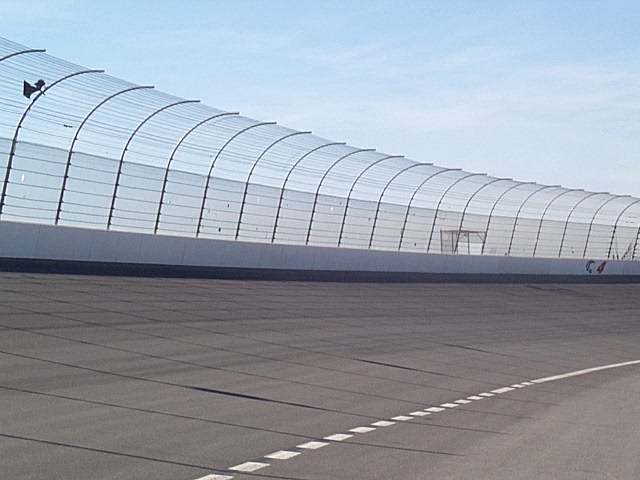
(583, 372)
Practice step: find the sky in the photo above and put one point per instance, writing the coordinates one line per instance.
(544, 91)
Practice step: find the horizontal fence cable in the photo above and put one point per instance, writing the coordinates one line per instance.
(206, 188)
(75, 138)
(471, 197)
(346, 208)
(175, 149)
(595, 214)
(129, 140)
(566, 224)
(14, 142)
(544, 213)
(615, 226)
(284, 183)
(256, 162)
(413, 196)
(327, 171)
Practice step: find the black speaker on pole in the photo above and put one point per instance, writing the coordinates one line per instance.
(28, 89)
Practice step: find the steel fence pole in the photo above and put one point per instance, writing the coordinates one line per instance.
(384, 190)
(346, 208)
(206, 187)
(14, 142)
(126, 146)
(75, 138)
(435, 217)
(326, 173)
(246, 185)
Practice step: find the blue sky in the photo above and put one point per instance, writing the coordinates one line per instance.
(537, 91)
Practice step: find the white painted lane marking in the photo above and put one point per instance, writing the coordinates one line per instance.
(313, 445)
(420, 413)
(434, 409)
(362, 429)
(503, 390)
(285, 454)
(588, 370)
(338, 437)
(383, 423)
(282, 455)
(249, 466)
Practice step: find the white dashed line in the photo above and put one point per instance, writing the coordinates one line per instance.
(282, 455)
(362, 429)
(502, 390)
(338, 437)
(249, 466)
(383, 423)
(420, 413)
(313, 445)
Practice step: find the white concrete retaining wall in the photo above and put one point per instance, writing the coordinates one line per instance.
(46, 242)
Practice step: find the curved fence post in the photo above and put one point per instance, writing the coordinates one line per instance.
(515, 223)
(21, 52)
(615, 227)
(315, 201)
(124, 151)
(566, 223)
(206, 187)
(344, 216)
(406, 216)
(286, 179)
(535, 246)
(246, 185)
(464, 211)
(14, 142)
(593, 219)
(495, 204)
(175, 149)
(435, 217)
(75, 138)
(384, 190)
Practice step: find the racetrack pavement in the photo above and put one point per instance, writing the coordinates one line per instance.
(158, 378)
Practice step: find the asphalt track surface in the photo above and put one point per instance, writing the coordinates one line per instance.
(182, 379)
